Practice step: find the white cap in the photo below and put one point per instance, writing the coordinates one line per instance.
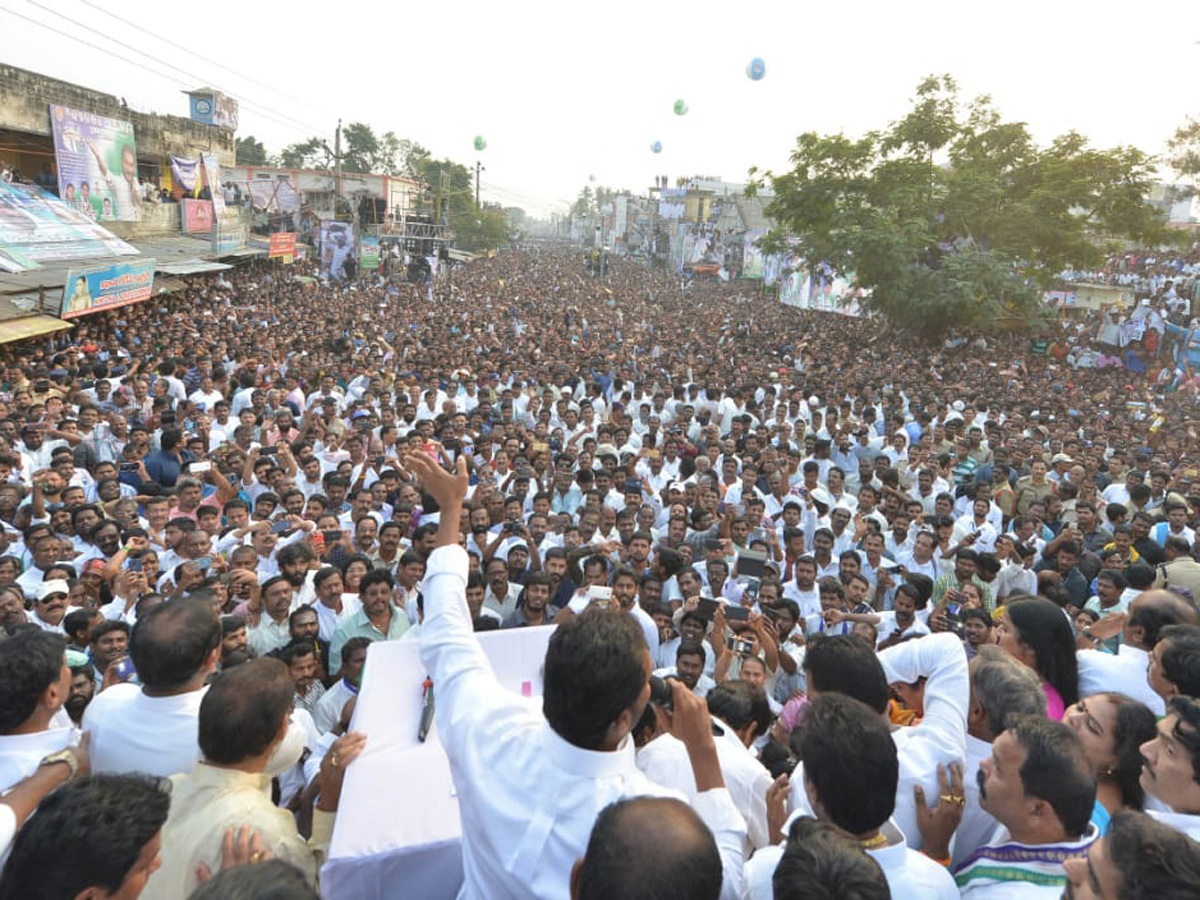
(53, 586)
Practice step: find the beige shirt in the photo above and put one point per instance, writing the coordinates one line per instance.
(212, 799)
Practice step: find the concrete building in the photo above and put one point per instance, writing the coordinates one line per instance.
(379, 199)
(25, 136)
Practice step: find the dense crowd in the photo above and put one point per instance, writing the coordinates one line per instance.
(833, 608)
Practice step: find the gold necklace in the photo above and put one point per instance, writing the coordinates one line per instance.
(874, 843)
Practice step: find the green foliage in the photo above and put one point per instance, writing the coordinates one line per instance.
(310, 154)
(1183, 152)
(951, 216)
(249, 152)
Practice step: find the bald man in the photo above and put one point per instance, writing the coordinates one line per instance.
(648, 847)
(1127, 670)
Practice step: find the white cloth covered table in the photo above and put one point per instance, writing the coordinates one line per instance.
(398, 832)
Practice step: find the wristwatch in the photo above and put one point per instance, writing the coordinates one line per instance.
(62, 756)
(1087, 633)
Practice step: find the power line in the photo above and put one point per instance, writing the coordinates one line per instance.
(206, 59)
(162, 62)
(291, 125)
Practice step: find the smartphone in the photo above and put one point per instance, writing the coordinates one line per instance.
(599, 593)
(379, 461)
(134, 564)
(204, 563)
(512, 527)
(894, 570)
(201, 466)
(268, 451)
(707, 608)
(125, 669)
(739, 510)
(431, 450)
(281, 527)
(743, 647)
(129, 467)
(758, 534)
(332, 537)
(737, 613)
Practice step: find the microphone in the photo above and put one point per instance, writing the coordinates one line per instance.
(426, 710)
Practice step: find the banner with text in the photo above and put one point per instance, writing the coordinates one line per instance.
(36, 228)
(212, 177)
(283, 244)
(197, 216)
(107, 287)
(97, 164)
(368, 252)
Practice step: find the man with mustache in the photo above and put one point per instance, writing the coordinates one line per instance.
(1039, 786)
(1171, 767)
(1137, 857)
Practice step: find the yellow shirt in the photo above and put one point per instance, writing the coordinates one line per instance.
(212, 799)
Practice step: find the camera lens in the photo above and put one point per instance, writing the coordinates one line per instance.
(660, 692)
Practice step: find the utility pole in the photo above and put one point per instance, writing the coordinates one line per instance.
(479, 167)
(337, 155)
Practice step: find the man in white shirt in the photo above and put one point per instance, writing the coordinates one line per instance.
(532, 782)
(1039, 785)
(152, 728)
(34, 684)
(1127, 670)
(740, 714)
(1001, 688)
(850, 776)
(1170, 773)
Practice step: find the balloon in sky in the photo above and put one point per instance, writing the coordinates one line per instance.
(756, 69)
(480, 143)
(591, 178)
(680, 108)
(656, 147)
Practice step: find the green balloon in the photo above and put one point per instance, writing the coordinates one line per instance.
(480, 143)
(680, 108)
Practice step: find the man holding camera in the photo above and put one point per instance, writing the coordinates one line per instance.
(531, 785)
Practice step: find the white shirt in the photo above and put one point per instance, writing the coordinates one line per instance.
(665, 761)
(886, 626)
(527, 797)
(940, 739)
(1189, 825)
(1124, 671)
(977, 825)
(910, 875)
(20, 754)
(332, 702)
(132, 732)
(703, 685)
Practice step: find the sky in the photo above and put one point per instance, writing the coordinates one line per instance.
(571, 94)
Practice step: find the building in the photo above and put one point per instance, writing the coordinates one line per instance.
(379, 199)
(26, 141)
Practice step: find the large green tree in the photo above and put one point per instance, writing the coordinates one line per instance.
(1183, 151)
(249, 152)
(952, 216)
(310, 154)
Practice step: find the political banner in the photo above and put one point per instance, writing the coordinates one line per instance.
(337, 250)
(197, 216)
(752, 258)
(185, 172)
(97, 164)
(368, 253)
(228, 234)
(107, 287)
(274, 195)
(283, 244)
(212, 177)
(213, 108)
(36, 227)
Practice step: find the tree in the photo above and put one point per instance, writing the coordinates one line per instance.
(1183, 153)
(951, 216)
(360, 148)
(310, 154)
(249, 152)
